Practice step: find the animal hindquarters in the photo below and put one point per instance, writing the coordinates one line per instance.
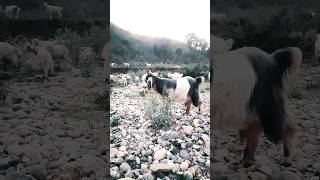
(232, 85)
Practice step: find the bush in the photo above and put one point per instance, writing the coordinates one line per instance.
(114, 121)
(159, 115)
(196, 71)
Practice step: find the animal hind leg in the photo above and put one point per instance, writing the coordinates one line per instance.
(188, 105)
(252, 133)
(288, 143)
(242, 136)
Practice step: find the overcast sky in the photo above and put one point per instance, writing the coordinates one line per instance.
(172, 19)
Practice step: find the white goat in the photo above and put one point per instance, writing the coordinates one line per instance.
(53, 10)
(44, 58)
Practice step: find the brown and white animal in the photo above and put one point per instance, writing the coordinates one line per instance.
(44, 58)
(53, 11)
(317, 48)
(249, 96)
(9, 56)
(184, 90)
(12, 11)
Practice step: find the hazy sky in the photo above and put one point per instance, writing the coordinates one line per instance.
(172, 19)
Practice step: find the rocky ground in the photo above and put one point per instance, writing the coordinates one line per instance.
(140, 152)
(53, 130)
(227, 151)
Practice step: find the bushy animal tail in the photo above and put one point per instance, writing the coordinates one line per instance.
(275, 120)
(288, 59)
(199, 80)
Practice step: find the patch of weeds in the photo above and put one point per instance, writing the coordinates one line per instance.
(143, 93)
(159, 115)
(114, 121)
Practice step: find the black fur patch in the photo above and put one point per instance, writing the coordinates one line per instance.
(162, 85)
(193, 92)
(267, 96)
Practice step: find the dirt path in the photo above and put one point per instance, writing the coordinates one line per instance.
(54, 130)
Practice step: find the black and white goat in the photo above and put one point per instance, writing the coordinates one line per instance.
(184, 90)
(249, 95)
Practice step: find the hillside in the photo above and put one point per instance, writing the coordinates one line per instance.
(137, 49)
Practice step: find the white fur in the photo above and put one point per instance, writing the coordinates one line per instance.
(175, 75)
(233, 82)
(45, 60)
(148, 65)
(181, 92)
(126, 64)
(53, 10)
(113, 65)
(219, 45)
(59, 51)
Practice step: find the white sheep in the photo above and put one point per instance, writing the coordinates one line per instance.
(175, 75)
(53, 10)
(126, 64)
(113, 65)
(59, 52)
(44, 59)
(12, 11)
(148, 65)
(10, 55)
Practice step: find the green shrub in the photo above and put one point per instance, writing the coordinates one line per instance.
(114, 121)
(196, 71)
(159, 115)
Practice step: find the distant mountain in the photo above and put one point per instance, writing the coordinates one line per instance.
(138, 49)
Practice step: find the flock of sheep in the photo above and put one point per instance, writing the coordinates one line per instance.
(13, 11)
(47, 53)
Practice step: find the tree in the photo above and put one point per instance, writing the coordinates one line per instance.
(194, 42)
